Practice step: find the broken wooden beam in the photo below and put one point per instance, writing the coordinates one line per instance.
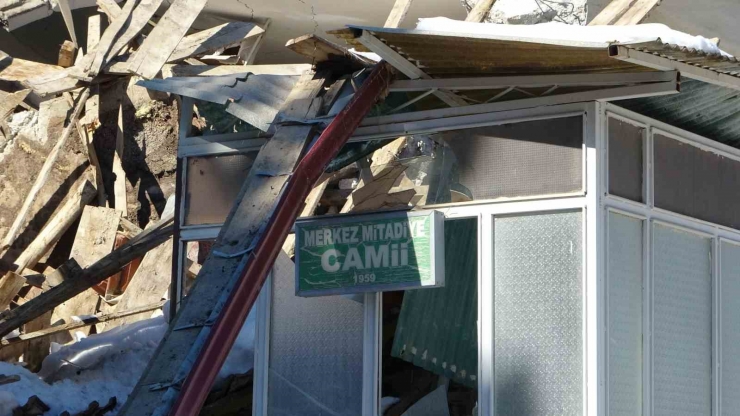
(479, 12)
(613, 11)
(108, 265)
(94, 60)
(636, 13)
(57, 225)
(43, 174)
(398, 13)
(164, 38)
(83, 322)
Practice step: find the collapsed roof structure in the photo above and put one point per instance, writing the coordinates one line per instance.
(528, 143)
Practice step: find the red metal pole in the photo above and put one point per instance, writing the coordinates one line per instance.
(226, 328)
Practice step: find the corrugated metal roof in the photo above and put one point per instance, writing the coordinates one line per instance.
(705, 109)
(255, 99)
(447, 55)
(437, 328)
(719, 63)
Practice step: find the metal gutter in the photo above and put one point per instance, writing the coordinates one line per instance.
(223, 333)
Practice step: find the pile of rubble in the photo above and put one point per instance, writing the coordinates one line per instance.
(87, 183)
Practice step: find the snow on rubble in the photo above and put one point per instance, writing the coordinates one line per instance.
(102, 366)
(556, 31)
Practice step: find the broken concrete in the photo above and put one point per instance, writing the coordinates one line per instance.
(528, 12)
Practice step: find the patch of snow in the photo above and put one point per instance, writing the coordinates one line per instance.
(241, 356)
(105, 365)
(7, 403)
(555, 31)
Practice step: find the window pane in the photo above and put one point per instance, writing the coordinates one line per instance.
(315, 361)
(625, 159)
(682, 333)
(695, 182)
(538, 315)
(624, 281)
(730, 331)
(531, 158)
(213, 183)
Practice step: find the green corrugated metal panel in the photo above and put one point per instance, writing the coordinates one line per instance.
(437, 328)
(705, 109)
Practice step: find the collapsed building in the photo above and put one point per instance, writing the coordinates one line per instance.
(463, 218)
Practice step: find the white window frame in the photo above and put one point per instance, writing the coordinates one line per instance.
(652, 215)
(485, 211)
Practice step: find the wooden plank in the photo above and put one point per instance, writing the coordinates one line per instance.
(94, 240)
(182, 70)
(63, 218)
(209, 41)
(637, 12)
(95, 59)
(36, 350)
(110, 8)
(10, 284)
(119, 186)
(133, 27)
(149, 283)
(398, 13)
(43, 174)
(83, 322)
(68, 21)
(479, 12)
(165, 37)
(253, 209)
(101, 270)
(22, 70)
(613, 11)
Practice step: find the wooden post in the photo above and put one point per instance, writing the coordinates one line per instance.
(43, 175)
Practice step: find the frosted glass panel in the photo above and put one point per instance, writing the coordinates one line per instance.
(730, 331)
(682, 333)
(315, 364)
(538, 315)
(624, 281)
